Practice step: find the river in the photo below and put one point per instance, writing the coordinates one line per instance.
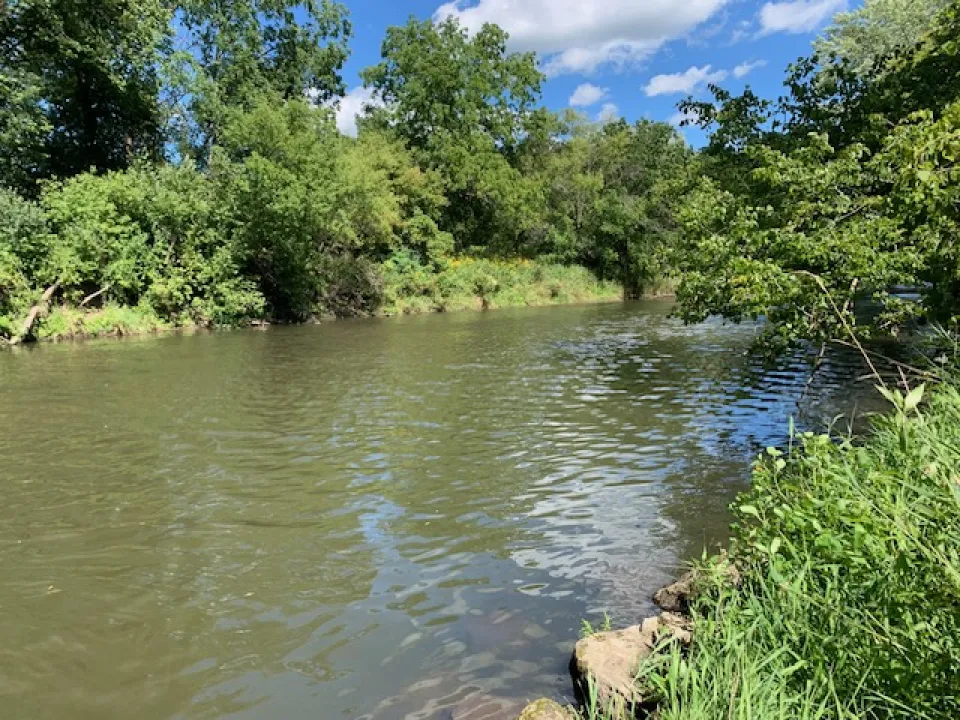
(400, 518)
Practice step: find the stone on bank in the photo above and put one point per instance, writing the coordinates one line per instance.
(545, 709)
(609, 661)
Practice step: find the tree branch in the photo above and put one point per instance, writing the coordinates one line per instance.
(94, 296)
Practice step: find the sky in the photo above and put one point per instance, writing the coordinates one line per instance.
(612, 58)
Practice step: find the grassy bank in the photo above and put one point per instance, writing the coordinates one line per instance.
(64, 322)
(476, 283)
(849, 605)
(400, 285)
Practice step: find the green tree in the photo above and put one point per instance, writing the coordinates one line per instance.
(875, 30)
(234, 54)
(310, 209)
(25, 243)
(462, 104)
(78, 85)
(645, 168)
(610, 192)
(573, 182)
(829, 229)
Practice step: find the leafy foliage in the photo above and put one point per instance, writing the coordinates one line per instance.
(147, 236)
(849, 197)
(461, 103)
(78, 86)
(237, 54)
(24, 246)
(851, 581)
(862, 37)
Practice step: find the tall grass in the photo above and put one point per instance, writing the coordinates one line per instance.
(850, 599)
(473, 283)
(67, 322)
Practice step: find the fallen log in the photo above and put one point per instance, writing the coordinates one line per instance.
(34, 314)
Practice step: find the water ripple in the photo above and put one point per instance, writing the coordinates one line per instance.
(379, 519)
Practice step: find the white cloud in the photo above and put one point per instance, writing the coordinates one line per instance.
(608, 113)
(586, 95)
(742, 31)
(797, 16)
(352, 105)
(620, 55)
(744, 69)
(579, 36)
(685, 82)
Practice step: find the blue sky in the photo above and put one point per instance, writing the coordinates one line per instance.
(630, 58)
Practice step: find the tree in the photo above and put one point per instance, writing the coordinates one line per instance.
(864, 203)
(859, 39)
(78, 85)
(235, 54)
(462, 104)
(610, 191)
(438, 83)
(643, 167)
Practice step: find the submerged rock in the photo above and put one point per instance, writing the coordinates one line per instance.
(609, 661)
(545, 709)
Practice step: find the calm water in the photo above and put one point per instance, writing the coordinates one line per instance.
(381, 519)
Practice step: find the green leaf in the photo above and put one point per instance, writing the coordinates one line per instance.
(913, 398)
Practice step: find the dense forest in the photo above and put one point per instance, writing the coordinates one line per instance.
(178, 163)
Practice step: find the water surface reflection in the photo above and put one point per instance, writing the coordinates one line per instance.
(382, 519)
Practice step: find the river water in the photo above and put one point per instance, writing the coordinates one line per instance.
(391, 519)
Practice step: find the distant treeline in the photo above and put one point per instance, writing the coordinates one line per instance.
(182, 159)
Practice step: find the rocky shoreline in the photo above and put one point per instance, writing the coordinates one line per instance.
(605, 665)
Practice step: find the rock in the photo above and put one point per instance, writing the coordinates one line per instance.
(676, 596)
(545, 709)
(674, 626)
(610, 660)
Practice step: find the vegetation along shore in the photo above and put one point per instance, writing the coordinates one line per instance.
(839, 595)
(211, 186)
(178, 165)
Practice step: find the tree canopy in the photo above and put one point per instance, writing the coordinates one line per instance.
(78, 86)
(842, 207)
(182, 158)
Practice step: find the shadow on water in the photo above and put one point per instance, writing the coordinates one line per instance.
(375, 518)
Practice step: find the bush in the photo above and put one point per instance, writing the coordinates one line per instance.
(153, 237)
(25, 243)
(351, 286)
(851, 565)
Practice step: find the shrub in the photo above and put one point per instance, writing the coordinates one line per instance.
(851, 564)
(153, 237)
(25, 243)
(351, 286)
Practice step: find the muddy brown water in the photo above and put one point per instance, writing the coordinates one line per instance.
(402, 518)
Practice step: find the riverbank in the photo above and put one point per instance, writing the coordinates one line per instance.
(400, 285)
(479, 283)
(844, 598)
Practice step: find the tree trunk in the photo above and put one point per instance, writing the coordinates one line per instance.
(34, 314)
